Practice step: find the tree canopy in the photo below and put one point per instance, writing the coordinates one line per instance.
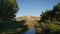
(53, 15)
(8, 9)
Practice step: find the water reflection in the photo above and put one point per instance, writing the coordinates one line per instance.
(30, 31)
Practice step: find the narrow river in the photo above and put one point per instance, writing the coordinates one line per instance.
(30, 31)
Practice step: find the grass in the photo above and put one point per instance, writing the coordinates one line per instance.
(50, 27)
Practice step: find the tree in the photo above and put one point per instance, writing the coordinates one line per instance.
(46, 15)
(51, 20)
(53, 15)
(8, 9)
(56, 11)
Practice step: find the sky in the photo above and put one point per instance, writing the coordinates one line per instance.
(34, 7)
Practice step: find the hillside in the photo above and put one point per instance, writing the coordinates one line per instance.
(29, 20)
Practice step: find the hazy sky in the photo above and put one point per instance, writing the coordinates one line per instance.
(34, 7)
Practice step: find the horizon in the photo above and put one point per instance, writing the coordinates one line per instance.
(34, 7)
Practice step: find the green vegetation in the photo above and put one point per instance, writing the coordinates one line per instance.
(50, 21)
(8, 9)
(48, 24)
(8, 23)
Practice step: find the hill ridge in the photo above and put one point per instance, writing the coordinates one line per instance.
(28, 18)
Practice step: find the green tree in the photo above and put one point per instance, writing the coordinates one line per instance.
(51, 20)
(53, 15)
(56, 12)
(46, 15)
(8, 9)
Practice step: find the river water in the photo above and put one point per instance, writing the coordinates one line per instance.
(30, 31)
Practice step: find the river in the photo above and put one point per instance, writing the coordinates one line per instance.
(30, 31)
